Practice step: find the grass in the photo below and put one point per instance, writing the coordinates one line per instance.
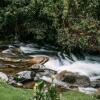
(73, 95)
(11, 93)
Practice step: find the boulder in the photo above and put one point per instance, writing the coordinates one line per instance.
(3, 76)
(36, 60)
(73, 78)
(95, 84)
(25, 61)
(24, 76)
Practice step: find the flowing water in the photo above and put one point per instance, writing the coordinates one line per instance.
(84, 64)
(77, 62)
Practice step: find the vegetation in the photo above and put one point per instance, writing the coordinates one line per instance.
(8, 92)
(65, 23)
(68, 24)
(11, 93)
(45, 92)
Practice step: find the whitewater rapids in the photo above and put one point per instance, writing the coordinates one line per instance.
(84, 64)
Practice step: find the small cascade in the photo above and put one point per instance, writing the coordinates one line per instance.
(78, 63)
(83, 64)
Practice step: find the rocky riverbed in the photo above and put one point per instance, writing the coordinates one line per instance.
(22, 65)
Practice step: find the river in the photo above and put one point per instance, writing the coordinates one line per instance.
(84, 64)
(76, 62)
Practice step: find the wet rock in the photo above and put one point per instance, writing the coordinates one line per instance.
(3, 76)
(11, 80)
(48, 72)
(10, 65)
(9, 60)
(37, 67)
(9, 51)
(3, 47)
(95, 84)
(45, 72)
(13, 50)
(73, 78)
(24, 76)
(36, 60)
(25, 61)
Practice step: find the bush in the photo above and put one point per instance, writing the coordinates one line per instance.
(45, 92)
(65, 23)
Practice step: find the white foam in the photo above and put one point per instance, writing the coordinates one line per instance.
(28, 49)
(63, 62)
(82, 67)
(87, 90)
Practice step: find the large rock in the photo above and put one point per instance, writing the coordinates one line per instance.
(95, 84)
(45, 72)
(28, 61)
(24, 76)
(36, 60)
(3, 76)
(73, 78)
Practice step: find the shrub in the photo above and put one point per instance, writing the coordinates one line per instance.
(45, 92)
(65, 23)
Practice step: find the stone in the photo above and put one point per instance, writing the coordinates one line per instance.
(47, 72)
(95, 84)
(36, 60)
(24, 76)
(3, 76)
(19, 84)
(11, 80)
(10, 65)
(37, 67)
(73, 78)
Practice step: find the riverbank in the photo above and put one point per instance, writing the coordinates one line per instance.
(8, 92)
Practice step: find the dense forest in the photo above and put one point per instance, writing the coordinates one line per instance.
(68, 24)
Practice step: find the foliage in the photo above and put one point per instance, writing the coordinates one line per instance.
(65, 23)
(11, 93)
(45, 92)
